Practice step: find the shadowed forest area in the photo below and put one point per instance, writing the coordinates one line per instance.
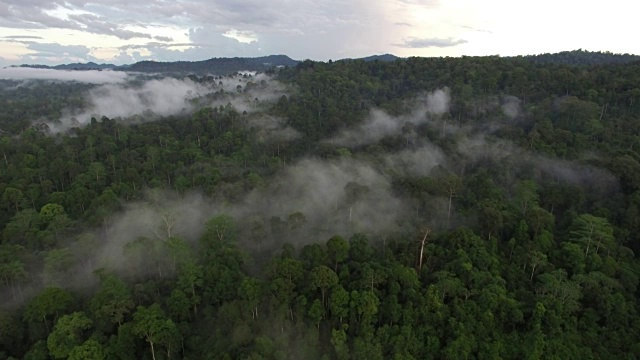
(420, 208)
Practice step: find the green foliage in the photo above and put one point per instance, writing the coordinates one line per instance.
(47, 306)
(67, 334)
(533, 225)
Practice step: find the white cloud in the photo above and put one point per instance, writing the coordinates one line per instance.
(321, 29)
(90, 76)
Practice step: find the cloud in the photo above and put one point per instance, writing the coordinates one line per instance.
(149, 100)
(310, 29)
(99, 25)
(477, 30)
(479, 149)
(419, 43)
(245, 37)
(511, 106)
(341, 196)
(321, 190)
(162, 97)
(163, 38)
(22, 37)
(415, 162)
(379, 124)
(424, 3)
(402, 24)
(89, 76)
(272, 129)
(53, 49)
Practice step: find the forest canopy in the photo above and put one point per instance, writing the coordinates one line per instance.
(419, 208)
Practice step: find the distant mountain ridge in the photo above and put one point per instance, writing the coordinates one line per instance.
(217, 66)
(74, 66)
(383, 57)
(224, 66)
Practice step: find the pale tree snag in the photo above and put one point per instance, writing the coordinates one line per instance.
(427, 231)
(165, 230)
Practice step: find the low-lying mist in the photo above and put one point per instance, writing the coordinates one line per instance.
(379, 124)
(84, 76)
(312, 198)
(144, 99)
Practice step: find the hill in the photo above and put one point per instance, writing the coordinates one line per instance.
(582, 57)
(73, 66)
(218, 66)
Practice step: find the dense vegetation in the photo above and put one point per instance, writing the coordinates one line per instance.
(520, 242)
(583, 57)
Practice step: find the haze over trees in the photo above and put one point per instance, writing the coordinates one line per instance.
(420, 208)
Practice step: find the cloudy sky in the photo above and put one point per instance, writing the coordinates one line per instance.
(118, 31)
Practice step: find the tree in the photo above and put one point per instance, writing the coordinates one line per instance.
(67, 334)
(50, 303)
(536, 260)
(450, 186)
(526, 196)
(57, 266)
(13, 198)
(12, 267)
(89, 350)
(191, 281)
(323, 278)
(221, 228)
(339, 342)
(11, 332)
(365, 305)
(339, 302)
(592, 231)
(338, 249)
(151, 324)
(426, 232)
(113, 300)
(250, 291)
(316, 312)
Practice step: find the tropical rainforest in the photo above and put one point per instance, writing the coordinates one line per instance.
(419, 208)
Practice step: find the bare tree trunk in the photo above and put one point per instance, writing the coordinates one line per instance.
(424, 240)
(449, 211)
(153, 353)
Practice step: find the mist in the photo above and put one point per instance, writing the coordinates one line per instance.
(477, 149)
(153, 99)
(311, 199)
(272, 129)
(379, 124)
(85, 76)
(415, 162)
(326, 197)
(163, 97)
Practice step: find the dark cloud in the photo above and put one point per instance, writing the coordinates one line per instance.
(33, 14)
(419, 43)
(98, 25)
(402, 24)
(21, 37)
(163, 38)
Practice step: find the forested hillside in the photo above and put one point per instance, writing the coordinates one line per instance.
(424, 208)
(583, 57)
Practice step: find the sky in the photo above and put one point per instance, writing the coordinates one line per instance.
(122, 32)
